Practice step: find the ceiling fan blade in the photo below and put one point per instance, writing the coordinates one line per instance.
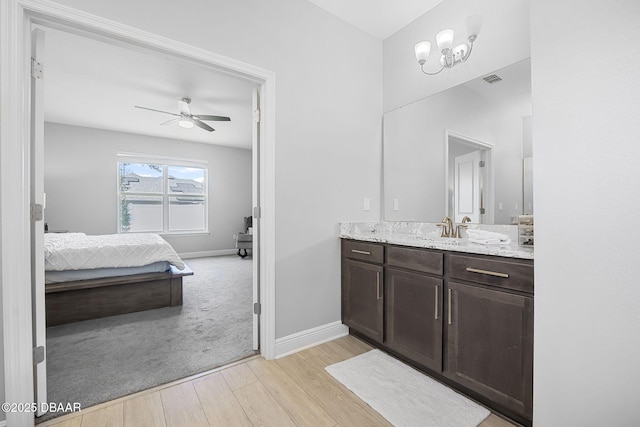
(203, 125)
(213, 118)
(183, 106)
(157, 111)
(170, 121)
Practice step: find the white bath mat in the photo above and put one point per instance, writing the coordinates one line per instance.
(404, 396)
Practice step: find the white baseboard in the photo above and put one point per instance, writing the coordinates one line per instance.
(203, 254)
(309, 338)
(3, 423)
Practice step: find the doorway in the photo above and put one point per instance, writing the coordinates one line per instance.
(17, 124)
(208, 194)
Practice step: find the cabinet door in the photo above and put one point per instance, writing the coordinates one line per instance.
(362, 298)
(414, 316)
(490, 344)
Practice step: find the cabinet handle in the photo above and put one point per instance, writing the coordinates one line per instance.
(436, 304)
(356, 251)
(449, 302)
(490, 273)
(378, 285)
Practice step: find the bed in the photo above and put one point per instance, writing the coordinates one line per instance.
(90, 277)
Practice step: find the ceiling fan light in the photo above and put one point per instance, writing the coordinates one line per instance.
(186, 123)
(445, 40)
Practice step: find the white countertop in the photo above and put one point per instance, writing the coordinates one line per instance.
(427, 235)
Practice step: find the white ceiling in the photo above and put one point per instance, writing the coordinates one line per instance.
(95, 84)
(379, 18)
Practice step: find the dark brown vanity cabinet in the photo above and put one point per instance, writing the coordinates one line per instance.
(413, 309)
(363, 288)
(490, 329)
(466, 318)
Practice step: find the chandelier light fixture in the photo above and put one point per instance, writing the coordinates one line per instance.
(450, 55)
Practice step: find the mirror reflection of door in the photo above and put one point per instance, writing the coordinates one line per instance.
(467, 187)
(469, 179)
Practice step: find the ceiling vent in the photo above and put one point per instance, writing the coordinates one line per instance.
(493, 78)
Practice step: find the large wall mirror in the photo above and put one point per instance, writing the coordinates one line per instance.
(463, 151)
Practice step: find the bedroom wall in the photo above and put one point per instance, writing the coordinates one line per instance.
(81, 183)
(328, 127)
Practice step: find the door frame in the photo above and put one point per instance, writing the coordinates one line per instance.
(16, 17)
(489, 183)
(37, 229)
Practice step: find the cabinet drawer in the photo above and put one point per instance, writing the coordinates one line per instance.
(422, 260)
(504, 273)
(364, 251)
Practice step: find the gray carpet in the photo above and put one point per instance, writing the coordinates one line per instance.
(98, 360)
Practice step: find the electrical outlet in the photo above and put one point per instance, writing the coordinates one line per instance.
(367, 204)
(235, 237)
(396, 204)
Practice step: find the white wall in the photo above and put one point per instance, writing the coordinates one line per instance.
(81, 182)
(503, 40)
(3, 416)
(586, 137)
(328, 131)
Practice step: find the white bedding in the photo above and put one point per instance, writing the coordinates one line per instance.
(78, 251)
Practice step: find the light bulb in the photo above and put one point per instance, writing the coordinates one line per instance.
(474, 24)
(185, 122)
(422, 51)
(445, 40)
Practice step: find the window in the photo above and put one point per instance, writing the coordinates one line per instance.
(161, 197)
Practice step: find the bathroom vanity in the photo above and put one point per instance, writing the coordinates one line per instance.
(461, 312)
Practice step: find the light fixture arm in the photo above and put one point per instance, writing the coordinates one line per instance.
(468, 54)
(451, 57)
(430, 74)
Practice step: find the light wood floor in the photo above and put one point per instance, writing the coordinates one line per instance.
(292, 391)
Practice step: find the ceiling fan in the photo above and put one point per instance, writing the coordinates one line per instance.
(185, 119)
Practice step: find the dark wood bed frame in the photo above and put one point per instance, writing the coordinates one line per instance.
(79, 300)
